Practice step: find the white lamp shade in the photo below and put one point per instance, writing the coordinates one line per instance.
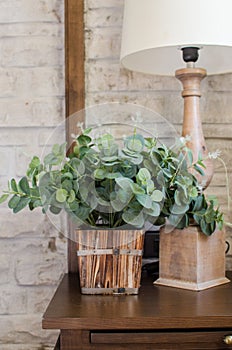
(154, 31)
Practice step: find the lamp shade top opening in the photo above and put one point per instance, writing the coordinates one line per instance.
(155, 31)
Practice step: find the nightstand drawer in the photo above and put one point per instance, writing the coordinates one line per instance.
(180, 339)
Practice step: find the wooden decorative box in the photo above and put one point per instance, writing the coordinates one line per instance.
(191, 260)
(110, 261)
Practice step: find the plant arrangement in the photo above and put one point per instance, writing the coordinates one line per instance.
(104, 182)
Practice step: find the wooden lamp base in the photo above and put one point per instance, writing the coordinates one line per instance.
(191, 260)
(191, 79)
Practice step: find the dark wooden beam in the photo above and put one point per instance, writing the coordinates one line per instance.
(74, 82)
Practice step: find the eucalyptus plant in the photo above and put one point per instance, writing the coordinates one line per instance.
(104, 182)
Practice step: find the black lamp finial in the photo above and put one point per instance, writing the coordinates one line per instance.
(190, 54)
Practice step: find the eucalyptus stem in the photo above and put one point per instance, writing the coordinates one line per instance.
(227, 183)
(177, 169)
(21, 194)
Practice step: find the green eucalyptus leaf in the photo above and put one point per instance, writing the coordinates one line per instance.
(61, 195)
(134, 218)
(156, 157)
(167, 173)
(113, 175)
(37, 203)
(199, 169)
(84, 140)
(13, 185)
(134, 158)
(67, 185)
(213, 198)
(206, 228)
(50, 159)
(174, 219)
(52, 200)
(77, 166)
(110, 164)
(75, 186)
(199, 204)
(124, 183)
(105, 141)
(83, 151)
(71, 197)
(144, 200)
(87, 131)
(67, 175)
(124, 196)
(91, 158)
(149, 165)
(35, 162)
(127, 169)
(154, 210)
(83, 212)
(22, 203)
(192, 191)
(117, 205)
(157, 196)
(134, 143)
(34, 192)
(143, 176)
(160, 179)
(209, 217)
(99, 174)
(84, 187)
(136, 189)
(73, 206)
(197, 218)
(103, 202)
(93, 201)
(184, 222)
(110, 159)
(24, 185)
(55, 210)
(150, 187)
(3, 198)
(179, 209)
(178, 196)
(201, 164)
(213, 226)
(111, 151)
(13, 202)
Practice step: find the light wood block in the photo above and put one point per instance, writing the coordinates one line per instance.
(191, 260)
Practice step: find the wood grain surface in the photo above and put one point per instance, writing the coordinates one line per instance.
(155, 308)
(74, 84)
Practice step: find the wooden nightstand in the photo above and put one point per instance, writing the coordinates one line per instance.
(158, 318)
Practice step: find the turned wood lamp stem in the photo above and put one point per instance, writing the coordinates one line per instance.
(191, 78)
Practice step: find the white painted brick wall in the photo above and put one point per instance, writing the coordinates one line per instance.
(32, 252)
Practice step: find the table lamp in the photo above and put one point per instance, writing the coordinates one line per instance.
(158, 35)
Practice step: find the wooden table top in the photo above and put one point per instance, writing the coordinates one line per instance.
(155, 307)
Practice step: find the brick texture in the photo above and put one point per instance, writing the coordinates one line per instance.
(32, 251)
